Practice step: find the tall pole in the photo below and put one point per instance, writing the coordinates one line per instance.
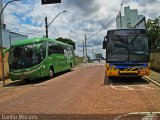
(10, 39)
(83, 53)
(2, 51)
(46, 25)
(85, 42)
(120, 13)
(120, 16)
(93, 53)
(1, 42)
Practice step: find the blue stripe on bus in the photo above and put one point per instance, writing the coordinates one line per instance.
(123, 65)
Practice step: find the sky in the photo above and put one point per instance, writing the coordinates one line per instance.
(90, 17)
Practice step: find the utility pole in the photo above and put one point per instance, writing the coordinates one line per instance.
(85, 42)
(93, 53)
(46, 25)
(1, 41)
(10, 39)
(120, 17)
(83, 52)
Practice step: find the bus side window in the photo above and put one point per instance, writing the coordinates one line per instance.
(72, 50)
(60, 49)
(50, 48)
(55, 49)
(42, 53)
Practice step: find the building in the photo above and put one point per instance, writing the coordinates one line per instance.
(9, 37)
(1, 6)
(130, 18)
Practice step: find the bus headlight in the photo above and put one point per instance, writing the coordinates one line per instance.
(113, 68)
(44, 66)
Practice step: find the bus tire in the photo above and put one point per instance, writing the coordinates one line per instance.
(27, 80)
(51, 72)
(110, 79)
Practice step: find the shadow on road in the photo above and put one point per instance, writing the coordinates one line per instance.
(34, 81)
(124, 81)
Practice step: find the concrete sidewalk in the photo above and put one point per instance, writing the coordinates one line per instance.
(155, 76)
(7, 81)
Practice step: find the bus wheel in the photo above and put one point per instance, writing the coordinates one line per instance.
(27, 80)
(51, 73)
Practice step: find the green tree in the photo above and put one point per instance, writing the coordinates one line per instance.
(66, 40)
(153, 31)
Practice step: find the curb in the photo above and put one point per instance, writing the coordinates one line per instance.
(7, 81)
(153, 81)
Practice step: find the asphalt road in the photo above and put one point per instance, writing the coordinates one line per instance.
(83, 91)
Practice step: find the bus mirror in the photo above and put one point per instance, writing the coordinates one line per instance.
(105, 42)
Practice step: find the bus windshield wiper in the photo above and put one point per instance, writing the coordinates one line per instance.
(135, 37)
(122, 40)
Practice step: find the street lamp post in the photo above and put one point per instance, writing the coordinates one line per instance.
(85, 47)
(47, 25)
(1, 42)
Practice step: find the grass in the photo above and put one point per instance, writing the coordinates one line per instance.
(78, 60)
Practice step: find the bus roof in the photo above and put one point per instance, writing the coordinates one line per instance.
(129, 31)
(34, 40)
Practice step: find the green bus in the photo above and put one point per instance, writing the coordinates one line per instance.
(39, 57)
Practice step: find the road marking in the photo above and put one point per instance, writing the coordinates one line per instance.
(127, 87)
(131, 87)
(150, 80)
(92, 64)
(144, 115)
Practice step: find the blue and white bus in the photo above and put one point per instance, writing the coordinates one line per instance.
(127, 53)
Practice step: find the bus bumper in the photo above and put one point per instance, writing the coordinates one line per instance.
(24, 75)
(118, 73)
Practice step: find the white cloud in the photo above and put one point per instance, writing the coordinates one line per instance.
(82, 17)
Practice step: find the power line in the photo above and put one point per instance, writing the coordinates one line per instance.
(35, 30)
(75, 36)
(83, 34)
(10, 8)
(107, 25)
(120, 13)
(27, 33)
(121, 5)
(13, 9)
(53, 32)
(30, 31)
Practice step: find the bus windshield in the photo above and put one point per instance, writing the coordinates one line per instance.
(25, 56)
(128, 48)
